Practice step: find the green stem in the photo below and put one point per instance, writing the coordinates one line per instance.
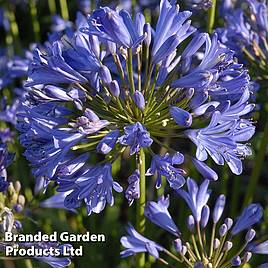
(212, 240)
(130, 70)
(14, 29)
(35, 22)
(28, 263)
(141, 205)
(257, 167)
(64, 9)
(211, 16)
(52, 7)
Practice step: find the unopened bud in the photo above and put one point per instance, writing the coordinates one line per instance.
(21, 200)
(227, 246)
(223, 230)
(114, 88)
(17, 186)
(250, 235)
(190, 223)
(216, 243)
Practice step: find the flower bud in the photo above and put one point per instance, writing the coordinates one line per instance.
(18, 208)
(184, 250)
(17, 186)
(105, 75)
(236, 261)
(91, 116)
(18, 225)
(114, 88)
(227, 246)
(250, 235)
(191, 223)
(205, 170)
(178, 245)
(21, 200)
(205, 216)
(250, 216)
(223, 230)
(218, 209)
(199, 265)
(181, 117)
(11, 188)
(147, 29)
(247, 257)
(139, 100)
(229, 222)
(216, 243)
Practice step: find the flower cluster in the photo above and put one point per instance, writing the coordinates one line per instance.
(209, 245)
(120, 85)
(246, 32)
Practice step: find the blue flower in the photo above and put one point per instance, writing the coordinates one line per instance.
(196, 198)
(133, 189)
(116, 27)
(57, 94)
(139, 100)
(55, 201)
(52, 69)
(108, 142)
(171, 30)
(164, 166)
(251, 215)
(261, 248)
(89, 123)
(207, 172)
(219, 207)
(136, 136)
(158, 214)
(136, 243)
(94, 186)
(181, 117)
(219, 140)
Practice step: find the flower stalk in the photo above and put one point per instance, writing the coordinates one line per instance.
(211, 16)
(141, 205)
(64, 9)
(35, 23)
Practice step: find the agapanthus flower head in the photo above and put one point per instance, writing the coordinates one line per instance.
(117, 85)
(211, 238)
(246, 32)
